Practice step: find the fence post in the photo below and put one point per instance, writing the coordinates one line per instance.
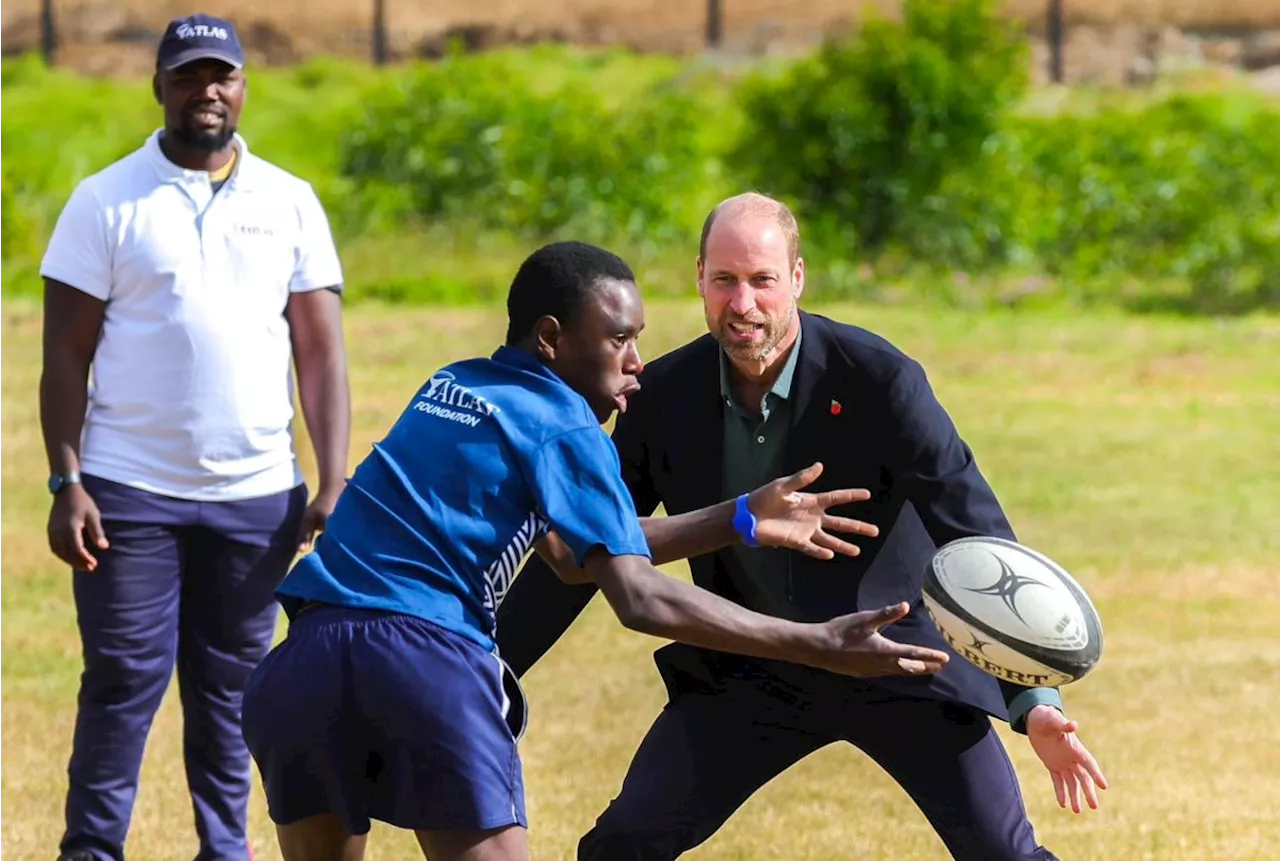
(1055, 40)
(48, 33)
(715, 22)
(379, 32)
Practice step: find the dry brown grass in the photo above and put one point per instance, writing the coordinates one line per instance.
(1191, 14)
(99, 34)
(422, 16)
(1112, 446)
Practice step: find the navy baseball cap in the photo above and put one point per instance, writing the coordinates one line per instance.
(199, 37)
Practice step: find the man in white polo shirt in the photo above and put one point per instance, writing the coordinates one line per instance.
(190, 275)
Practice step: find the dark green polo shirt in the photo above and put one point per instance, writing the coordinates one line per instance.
(754, 444)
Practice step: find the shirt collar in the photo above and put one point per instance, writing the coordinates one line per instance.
(514, 356)
(167, 170)
(781, 386)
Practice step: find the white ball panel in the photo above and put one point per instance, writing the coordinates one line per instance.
(981, 650)
(1012, 592)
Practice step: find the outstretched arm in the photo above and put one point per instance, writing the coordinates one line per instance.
(954, 501)
(540, 607)
(950, 493)
(649, 602)
(784, 517)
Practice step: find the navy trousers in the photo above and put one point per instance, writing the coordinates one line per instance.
(187, 585)
(710, 750)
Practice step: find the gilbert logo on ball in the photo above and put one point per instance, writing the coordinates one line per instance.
(1012, 612)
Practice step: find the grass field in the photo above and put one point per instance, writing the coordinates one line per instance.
(1143, 453)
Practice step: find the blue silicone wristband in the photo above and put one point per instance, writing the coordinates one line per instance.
(744, 522)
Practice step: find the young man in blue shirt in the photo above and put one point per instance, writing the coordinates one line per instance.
(388, 699)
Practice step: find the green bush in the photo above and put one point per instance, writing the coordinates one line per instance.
(864, 133)
(904, 151)
(19, 238)
(472, 139)
(1186, 189)
(1182, 189)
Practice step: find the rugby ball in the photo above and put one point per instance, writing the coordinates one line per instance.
(1012, 612)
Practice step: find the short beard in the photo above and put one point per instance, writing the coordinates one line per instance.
(204, 141)
(773, 335)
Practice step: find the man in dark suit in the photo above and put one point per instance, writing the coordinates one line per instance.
(771, 389)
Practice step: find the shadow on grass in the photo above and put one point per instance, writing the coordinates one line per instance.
(1203, 304)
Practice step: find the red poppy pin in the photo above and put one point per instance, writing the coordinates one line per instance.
(836, 409)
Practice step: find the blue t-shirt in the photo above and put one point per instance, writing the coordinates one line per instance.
(436, 521)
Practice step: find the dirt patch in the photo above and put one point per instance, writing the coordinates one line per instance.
(1108, 42)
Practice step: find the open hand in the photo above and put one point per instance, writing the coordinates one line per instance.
(787, 517)
(857, 648)
(1053, 737)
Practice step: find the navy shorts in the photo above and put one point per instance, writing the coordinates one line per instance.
(373, 715)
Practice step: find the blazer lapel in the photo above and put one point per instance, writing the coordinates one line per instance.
(809, 399)
(694, 429)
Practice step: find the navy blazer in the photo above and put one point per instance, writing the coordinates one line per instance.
(888, 435)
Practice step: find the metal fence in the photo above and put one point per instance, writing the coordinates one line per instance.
(105, 35)
(384, 31)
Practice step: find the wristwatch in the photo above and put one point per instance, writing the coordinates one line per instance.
(59, 480)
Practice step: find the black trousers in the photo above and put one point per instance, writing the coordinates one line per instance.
(708, 752)
(712, 747)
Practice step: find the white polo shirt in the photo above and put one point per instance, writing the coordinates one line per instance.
(192, 393)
